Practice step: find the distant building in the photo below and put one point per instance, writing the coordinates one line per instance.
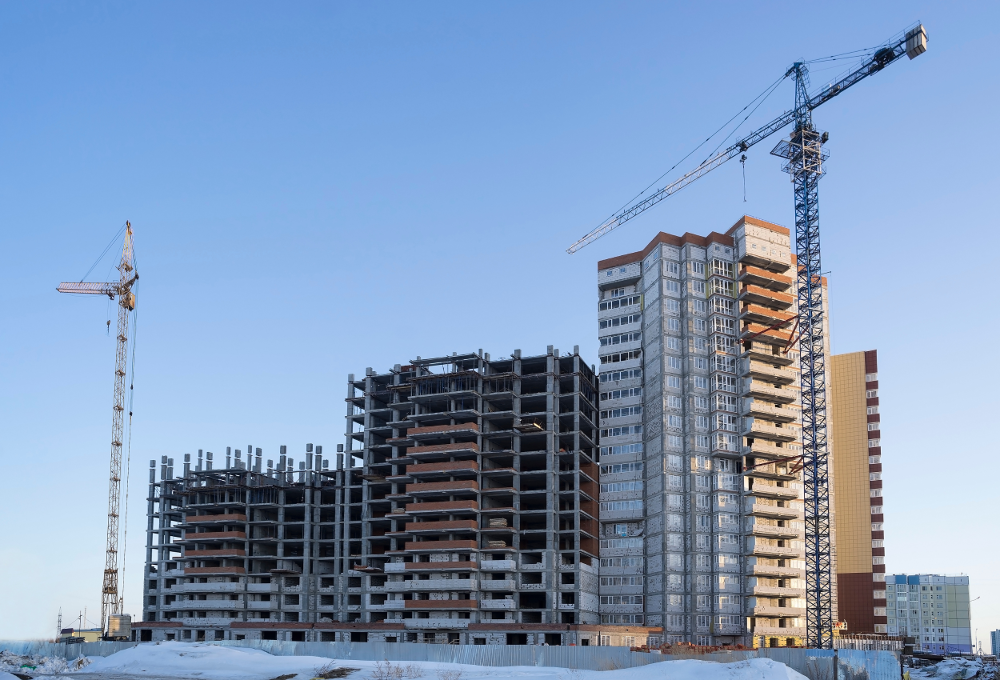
(80, 635)
(857, 482)
(932, 608)
(995, 642)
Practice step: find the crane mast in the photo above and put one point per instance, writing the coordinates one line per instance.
(804, 156)
(111, 600)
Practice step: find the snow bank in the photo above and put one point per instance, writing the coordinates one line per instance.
(949, 669)
(211, 662)
(40, 665)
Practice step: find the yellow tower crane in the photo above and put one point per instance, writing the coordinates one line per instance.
(112, 622)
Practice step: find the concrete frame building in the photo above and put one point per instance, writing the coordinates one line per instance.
(465, 511)
(857, 461)
(697, 388)
(933, 608)
(481, 481)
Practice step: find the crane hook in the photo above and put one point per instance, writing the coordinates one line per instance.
(743, 162)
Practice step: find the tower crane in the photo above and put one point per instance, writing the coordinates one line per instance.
(111, 601)
(804, 156)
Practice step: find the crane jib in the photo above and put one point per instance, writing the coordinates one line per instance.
(912, 43)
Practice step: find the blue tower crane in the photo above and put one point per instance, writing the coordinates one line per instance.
(804, 155)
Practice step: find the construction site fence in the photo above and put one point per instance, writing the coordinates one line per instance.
(817, 664)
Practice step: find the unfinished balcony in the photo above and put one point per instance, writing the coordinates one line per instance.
(768, 373)
(761, 448)
(442, 451)
(763, 430)
(774, 571)
(775, 591)
(778, 612)
(769, 528)
(469, 507)
(498, 565)
(765, 315)
(757, 276)
(203, 520)
(466, 487)
(750, 294)
(767, 352)
(761, 333)
(213, 554)
(759, 389)
(769, 547)
(760, 488)
(439, 546)
(763, 409)
(210, 536)
(438, 605)
(763, 508)
(410, 567)
(778, 631)
(460, 525)
(432, 432)
(443, 470)
(431, 584)
(498, 604)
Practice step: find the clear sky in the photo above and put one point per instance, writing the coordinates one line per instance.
(320, 187)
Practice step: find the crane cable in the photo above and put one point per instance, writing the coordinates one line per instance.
(128, 460)
(764, 94)
(767, 93)
(128, 455)
(105, 252)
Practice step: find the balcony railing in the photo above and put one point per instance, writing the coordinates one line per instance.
(497, 565)
(496, 604)
(782, 612)
(430, 624)
(431, 584)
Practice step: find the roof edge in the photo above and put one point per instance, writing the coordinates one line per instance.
(666, 239)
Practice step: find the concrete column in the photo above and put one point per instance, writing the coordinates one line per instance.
(308, 610)
(149, 547)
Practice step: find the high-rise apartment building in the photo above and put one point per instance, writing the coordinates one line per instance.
(857, 462)
(995, 642)
(701, 516)
(932, 608)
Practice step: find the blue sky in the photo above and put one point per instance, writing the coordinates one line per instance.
(319, 187)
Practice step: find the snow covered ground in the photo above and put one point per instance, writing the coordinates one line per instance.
(949, 669)
(196, 661)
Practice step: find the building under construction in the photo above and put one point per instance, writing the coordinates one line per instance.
(463, 508)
